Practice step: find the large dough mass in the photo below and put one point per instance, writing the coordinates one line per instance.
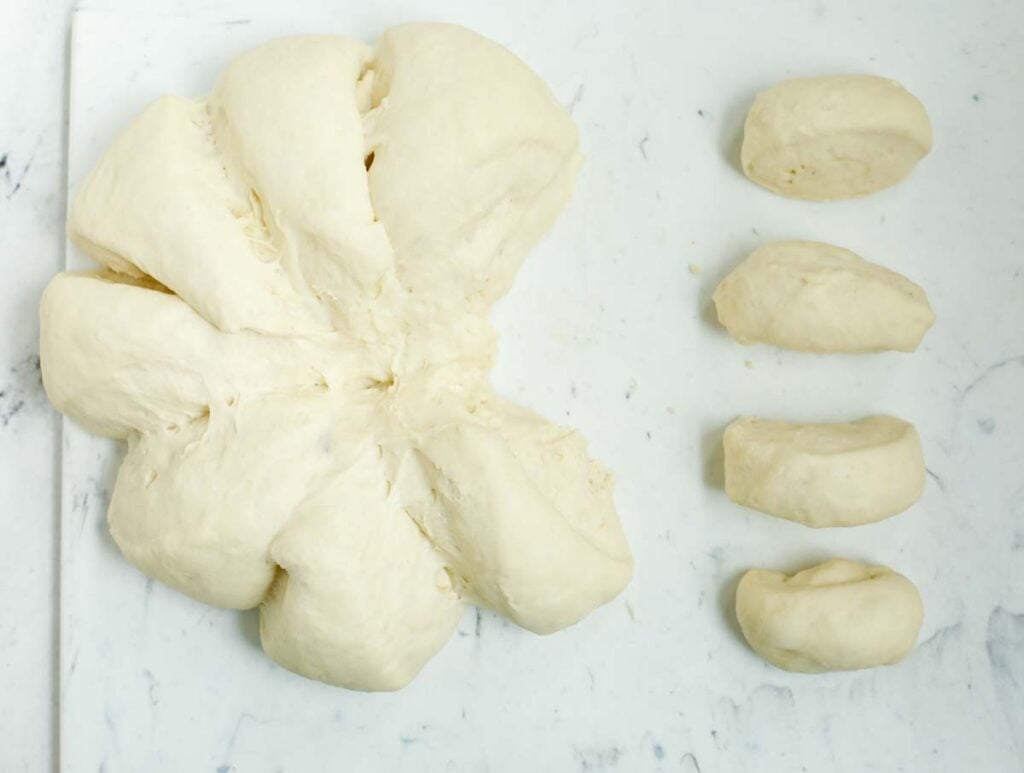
(291, 335)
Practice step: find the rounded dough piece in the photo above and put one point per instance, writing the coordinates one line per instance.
(834, 137)
(843, 474)
(817, 297)
(362, 599)
(837, 616)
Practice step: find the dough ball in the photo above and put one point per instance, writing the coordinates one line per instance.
(844, 474)
(834, 137)
(837, 616)
(817, 297)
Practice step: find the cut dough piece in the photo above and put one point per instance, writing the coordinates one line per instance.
(834, 137)
(838, 616)
(820, 475)
(817, 297)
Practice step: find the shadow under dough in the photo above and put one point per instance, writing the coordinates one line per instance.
(731, 140)
(727, 605)
(249, 625)
(713, 455)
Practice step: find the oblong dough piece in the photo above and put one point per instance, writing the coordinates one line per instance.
(837, 616)
(817, 297)
(834, 137)
(843, 474)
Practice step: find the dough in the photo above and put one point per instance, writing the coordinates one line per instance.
(824, 474)
(291, 334)
(836, 616)
(816, 297)
(834, 137)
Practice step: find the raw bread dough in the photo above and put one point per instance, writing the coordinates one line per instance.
(817, 297)
(844, 474)
(834, 137)
(291, 334)
(836, 616)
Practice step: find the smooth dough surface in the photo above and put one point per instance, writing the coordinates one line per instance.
(816, 297)
(837, 616)
(834, 137)
(820, 475)
(291, 334)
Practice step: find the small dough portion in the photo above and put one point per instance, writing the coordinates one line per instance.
(834, 137)
(820, 475)
(816, 297)
(837, 616)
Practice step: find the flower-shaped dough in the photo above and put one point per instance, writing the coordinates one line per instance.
(291, 334)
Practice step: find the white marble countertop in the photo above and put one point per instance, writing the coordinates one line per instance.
(658, 680)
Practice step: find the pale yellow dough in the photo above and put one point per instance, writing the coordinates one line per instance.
(820, 475)
(292, 338)
(838, 616)
(834, 137)
(816, 297)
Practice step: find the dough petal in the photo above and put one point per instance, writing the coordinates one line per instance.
(287, 121)
(197, 506)
(363, 599)
(159, 204)
(524, 518)
(464, 184)
(119, 357)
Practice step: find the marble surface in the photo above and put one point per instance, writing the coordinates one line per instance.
(608, 329)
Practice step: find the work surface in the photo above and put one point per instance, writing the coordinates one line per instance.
(607, 329)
